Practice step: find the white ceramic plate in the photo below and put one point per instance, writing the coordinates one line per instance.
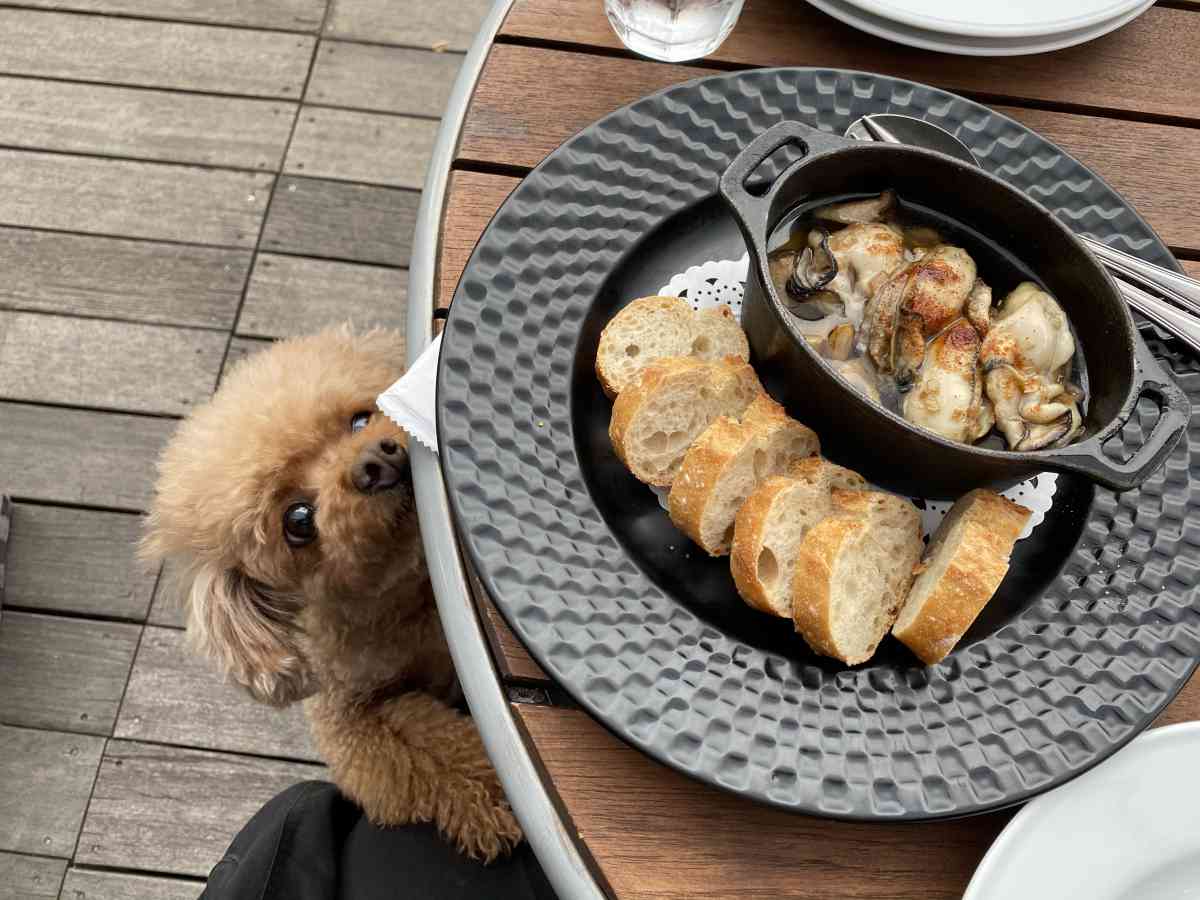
(1129, 829)
(970, 46)
(998, 18)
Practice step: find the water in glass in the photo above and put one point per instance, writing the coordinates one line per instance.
(673, 30)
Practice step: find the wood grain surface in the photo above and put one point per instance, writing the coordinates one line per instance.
(290, 295)
(47, 777)
(472, 198)
(173, 810)
(358, 146)
(114, 365)
(337, 219)
(131, 199)
(298, 15)
(79, 561)
(366, 76)
(413, 24)
(92, 884)
(153, 54)
(167, 607)
(30, 877)
(144, 124)
(144, 281)
(177, 696)
(64, 674)
(114, 467)
(1146, 68)
(517, 117)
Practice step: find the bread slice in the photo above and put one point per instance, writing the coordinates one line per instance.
(967, 560)
(656, 419)
(725, 465)
(772, 523)
(653, 328)
(895, 524)
(852, 572)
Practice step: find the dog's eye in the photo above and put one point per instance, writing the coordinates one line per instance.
(359, 420)
(300, 524)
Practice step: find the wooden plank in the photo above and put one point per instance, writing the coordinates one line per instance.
(30, 877)
(651, 829)
(384, 79)
(144, 124)
(292, 295)
(239, 349)
(166, 809)
(176, 696)
(517, 117)
(339, 220)
(414, 24)
(1192, 267)
(167, 608)
(1146, 68)
(79, 561)
(115, 365)
(288, 15)
(154, 54)
(512, 659)
(64, 674)
(47, 777)
(79, 456)
(131, 199)
(89, 884)
(472, 199)
(357, 146)
(168, 284)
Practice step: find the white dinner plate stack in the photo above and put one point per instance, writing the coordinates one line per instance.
(986, 27)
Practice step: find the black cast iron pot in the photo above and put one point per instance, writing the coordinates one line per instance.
(883, 445)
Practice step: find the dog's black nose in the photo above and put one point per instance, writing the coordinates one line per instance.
(379, 466)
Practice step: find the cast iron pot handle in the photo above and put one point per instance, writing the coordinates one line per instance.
(750, 211)
(1171, 424)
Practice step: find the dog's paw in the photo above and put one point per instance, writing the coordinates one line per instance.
(486, 831)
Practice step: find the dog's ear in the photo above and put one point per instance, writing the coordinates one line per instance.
(251, 632)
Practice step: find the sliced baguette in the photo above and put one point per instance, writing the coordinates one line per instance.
(967, 559)
(895, 524)
(654, 328)
(852, 572)
(772, 523)
(725, 465)
(658, 417)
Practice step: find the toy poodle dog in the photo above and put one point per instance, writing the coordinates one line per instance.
(287, 502)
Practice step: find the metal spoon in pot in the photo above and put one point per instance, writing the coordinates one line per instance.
(1134, 276)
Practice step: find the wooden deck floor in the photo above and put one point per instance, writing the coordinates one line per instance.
(180, 181)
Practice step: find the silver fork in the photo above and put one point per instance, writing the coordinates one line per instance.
(1135, 277)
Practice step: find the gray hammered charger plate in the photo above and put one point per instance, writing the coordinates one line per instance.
(1094, 631)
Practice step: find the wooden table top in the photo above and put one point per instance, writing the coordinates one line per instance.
(1125, 105)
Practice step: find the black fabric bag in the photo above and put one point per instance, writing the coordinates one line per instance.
(310, 843)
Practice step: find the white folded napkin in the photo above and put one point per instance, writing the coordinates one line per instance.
(411, 401)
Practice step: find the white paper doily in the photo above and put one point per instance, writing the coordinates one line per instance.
(712, 283)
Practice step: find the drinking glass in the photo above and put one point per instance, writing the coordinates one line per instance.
(673, 30)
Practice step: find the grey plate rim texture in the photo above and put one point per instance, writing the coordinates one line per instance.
(1075, 676)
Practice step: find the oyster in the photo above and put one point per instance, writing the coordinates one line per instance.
(915, 304)
(866, 254)
(1025, 359)
(947, 397)
(850, 212)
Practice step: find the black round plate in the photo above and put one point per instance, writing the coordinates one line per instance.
(1093, 632)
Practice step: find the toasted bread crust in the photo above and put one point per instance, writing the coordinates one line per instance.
(749, 534)
(706, 460)
(672, 306)
(991, 525)
(812, 585)
(656, 377)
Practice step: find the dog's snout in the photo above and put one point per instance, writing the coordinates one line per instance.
(379, 466)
